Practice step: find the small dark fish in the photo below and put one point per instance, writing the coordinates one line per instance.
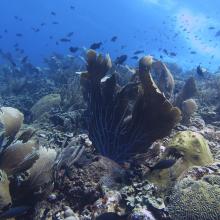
(161, 57)
(53, 13)
(211, 28)
(113, 39)
(73, 49)
(95, 46)
(138, 52)
(111, 216)
(134, 57)
(55, 22)
(70, 34)
(19, 35)
(65, 40)
(165, 51)
(42, 24)
(72, 7)
(193, 52)
(163, 164)
(5, 31)
(36, 29)
(14, 212)
(120, 60)
(172, 54)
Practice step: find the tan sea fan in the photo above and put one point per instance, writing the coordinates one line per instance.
(12, 119)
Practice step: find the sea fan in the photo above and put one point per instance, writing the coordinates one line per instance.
(119, 127)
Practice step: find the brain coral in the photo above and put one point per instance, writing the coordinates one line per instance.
(195, 200)
(193, 146)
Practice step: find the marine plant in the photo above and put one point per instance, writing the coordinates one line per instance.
(124, 121)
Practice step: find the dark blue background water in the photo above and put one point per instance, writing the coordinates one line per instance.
(150, 25)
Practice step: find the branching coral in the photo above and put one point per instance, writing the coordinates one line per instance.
(117, 129)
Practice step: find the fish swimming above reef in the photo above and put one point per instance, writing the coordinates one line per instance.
(73, 49)
(53, 13)
(70, 34)
(138, 52)
(172, 54)
(121, 59)
(65, 40)
(113, 39)
(163, 164)
(95, 46)
(19, 35)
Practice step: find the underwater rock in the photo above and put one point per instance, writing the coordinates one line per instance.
(71, 121)
(189, 107)
(5, 197)
(45, 104)
(164, 79)
(141, 196)
(196, 198)
(142, 214)
(109, 203)
(116, 130)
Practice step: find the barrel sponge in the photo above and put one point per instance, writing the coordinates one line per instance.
(193, 147)
(194, 200)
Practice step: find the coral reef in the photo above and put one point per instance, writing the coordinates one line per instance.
(203, 195)
(113, 149)
(193, 146)
(45, 104)
(117, 130)
(189, 149)
(189, 107)
(188, 91)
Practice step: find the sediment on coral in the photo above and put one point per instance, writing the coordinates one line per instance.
(116, 129)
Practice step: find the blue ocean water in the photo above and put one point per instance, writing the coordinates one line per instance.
(185, 32)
